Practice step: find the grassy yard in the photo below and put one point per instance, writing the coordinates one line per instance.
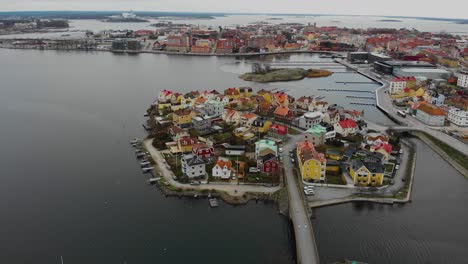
(293, 131)
(334, 179)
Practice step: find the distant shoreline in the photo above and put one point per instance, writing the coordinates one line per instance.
(254, 54)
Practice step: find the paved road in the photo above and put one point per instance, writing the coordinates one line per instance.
(231, 189)
(385, 102)
(306, 247)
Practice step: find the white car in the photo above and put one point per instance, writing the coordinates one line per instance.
(309, 192)
(280, 150)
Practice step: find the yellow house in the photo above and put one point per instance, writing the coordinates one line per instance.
(232, 93)
(452, 63)
(334, 155)
(366, 173)
(312, 164)
(404, 93)
(162, 106)
(245, 92)
(420, 92)
(261, 126)
(182, 118)
(267, 96)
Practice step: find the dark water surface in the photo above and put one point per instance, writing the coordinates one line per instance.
(430, 229)
(71, 186)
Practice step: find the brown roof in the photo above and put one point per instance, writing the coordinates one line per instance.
(183, 112)
(282, 111)
(431, 109)
(174, 130)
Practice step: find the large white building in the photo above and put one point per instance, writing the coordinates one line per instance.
(310, 119)
(463, 78)
(431, 115)
(458, 117)
(399, 83)
(193, 166)
(214, 108)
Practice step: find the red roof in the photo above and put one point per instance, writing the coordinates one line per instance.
(385, 146)
(307, 151)
(282, 111)
(347, 123)
(279, 129)
(404, 79)
(187, 141)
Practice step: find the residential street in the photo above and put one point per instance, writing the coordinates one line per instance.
(233, 189)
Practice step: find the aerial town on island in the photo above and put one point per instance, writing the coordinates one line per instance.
(210, 140)
(238, 136)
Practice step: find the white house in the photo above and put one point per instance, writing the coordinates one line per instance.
(346, 127)
(193, 166)
(458, 117)
(214, 108)
(399, 83)
(310, 119)
(223, 168)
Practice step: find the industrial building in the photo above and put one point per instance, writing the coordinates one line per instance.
(388, 67)
(369, 57)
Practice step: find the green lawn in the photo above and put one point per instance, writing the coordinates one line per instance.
(334, 179)
(293, 131)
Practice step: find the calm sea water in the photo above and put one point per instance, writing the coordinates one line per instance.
(430, 229)
(71, 186)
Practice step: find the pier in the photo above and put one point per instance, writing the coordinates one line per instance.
(357, 82)
(360, 97)
(358, 103)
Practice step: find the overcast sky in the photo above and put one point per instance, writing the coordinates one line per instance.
(424, 8)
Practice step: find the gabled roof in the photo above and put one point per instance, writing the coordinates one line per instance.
(183, 112)
(431, 109)
(281, 111)
(199, 146)
(385, 146)
(347, 123)
(248, 115)
(279, 129)
(191, 160)
(372, 167)
(307, 151)
(174, 130)
(221, 162)
(187, 141)
(267, 157)
(404, 79)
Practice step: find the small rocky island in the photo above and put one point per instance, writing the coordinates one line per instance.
(265, 74)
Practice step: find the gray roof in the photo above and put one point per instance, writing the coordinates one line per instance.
(373, 167)
(193, 160)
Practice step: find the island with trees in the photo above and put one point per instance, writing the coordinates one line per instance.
(263, 73)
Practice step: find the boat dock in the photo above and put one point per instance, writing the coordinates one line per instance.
(357, 103)
(344, 90)
(356, 82)
(360, 97)
(213, 202)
